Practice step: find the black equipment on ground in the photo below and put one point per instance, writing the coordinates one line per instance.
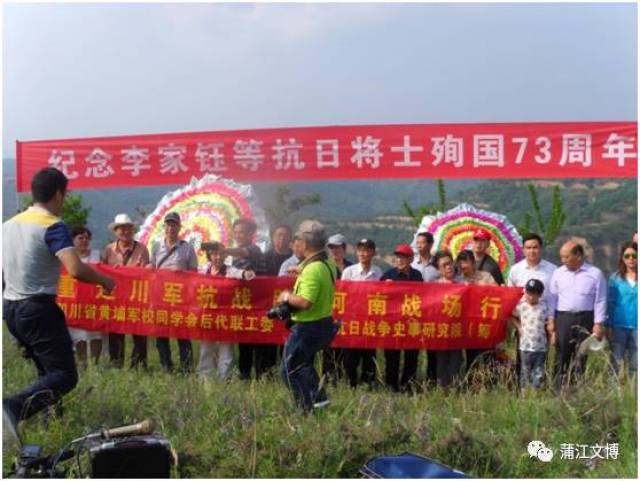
(129, 451)
(132, 457)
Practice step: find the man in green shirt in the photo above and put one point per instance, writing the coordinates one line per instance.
(313, 327)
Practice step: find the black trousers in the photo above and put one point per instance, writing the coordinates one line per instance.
(518, 360)
(138, 354)
(269, 357)
(392, 367)
(262, 357)
(449, 367)
(432, 366)
(186, 354)
(332, 362)
(473, 354)
(353, 358)
(40, 328)
(571, 330)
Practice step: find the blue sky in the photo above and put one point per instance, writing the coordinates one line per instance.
(76, 70)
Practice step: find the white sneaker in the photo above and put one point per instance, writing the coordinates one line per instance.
(321, 404)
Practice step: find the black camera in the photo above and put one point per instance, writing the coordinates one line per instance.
(282, 311)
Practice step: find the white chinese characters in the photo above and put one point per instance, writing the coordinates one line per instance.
(248, 154)
(64, 160)
(442, 151)
(210, 157)
(135, 160)
(99, 164)
(172, 159)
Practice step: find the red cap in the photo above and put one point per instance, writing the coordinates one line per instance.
(481, 234)
(403, 250)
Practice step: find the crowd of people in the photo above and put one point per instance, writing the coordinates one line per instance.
(561, 305)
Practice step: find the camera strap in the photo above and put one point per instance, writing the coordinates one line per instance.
(128, 254)
(333, 280)
(320, 257)
(169, 252)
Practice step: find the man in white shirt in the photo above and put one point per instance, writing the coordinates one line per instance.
(533, 266)
(364, 270)
(423, 262)
(290, 266)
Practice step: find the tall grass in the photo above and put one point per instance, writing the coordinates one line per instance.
(251, 429)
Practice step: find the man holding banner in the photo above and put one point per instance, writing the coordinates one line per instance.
(35, 242)
(176, 254)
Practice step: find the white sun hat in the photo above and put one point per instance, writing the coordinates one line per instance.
(591, 343)
(121, 219)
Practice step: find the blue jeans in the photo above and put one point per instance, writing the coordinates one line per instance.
(624, 341)
(40, 328)
(532, 368)
(297, 369)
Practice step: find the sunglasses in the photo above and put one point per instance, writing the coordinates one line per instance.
(630, 256)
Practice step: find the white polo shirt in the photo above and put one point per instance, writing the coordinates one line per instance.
(521, 272)
(357, 273)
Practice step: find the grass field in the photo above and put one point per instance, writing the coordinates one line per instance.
(250, 429)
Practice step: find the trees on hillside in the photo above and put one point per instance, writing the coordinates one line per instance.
(534, 219)
(418, 212)
(74, 212)
(285, 205)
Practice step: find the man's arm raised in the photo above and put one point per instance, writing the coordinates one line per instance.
(81, 271)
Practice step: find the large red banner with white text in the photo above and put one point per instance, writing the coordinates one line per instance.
(494, 150)
(390, 315)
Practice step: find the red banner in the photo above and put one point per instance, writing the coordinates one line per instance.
(503, 150)
(390, 315)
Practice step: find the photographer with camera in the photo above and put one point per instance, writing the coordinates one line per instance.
(312, 327)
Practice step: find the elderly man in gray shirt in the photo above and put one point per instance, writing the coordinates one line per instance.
(173, 253)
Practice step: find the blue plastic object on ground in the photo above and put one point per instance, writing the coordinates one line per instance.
(408, 465)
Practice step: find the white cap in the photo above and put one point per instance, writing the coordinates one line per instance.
(337, 240)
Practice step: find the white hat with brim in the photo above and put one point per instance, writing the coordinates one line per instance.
(591, 343)
(121, 219)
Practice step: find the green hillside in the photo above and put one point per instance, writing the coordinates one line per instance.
(601, 213)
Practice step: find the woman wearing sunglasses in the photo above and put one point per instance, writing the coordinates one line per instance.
(622, 306)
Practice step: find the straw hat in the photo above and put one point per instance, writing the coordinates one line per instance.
(591, 343)
(121, 219)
